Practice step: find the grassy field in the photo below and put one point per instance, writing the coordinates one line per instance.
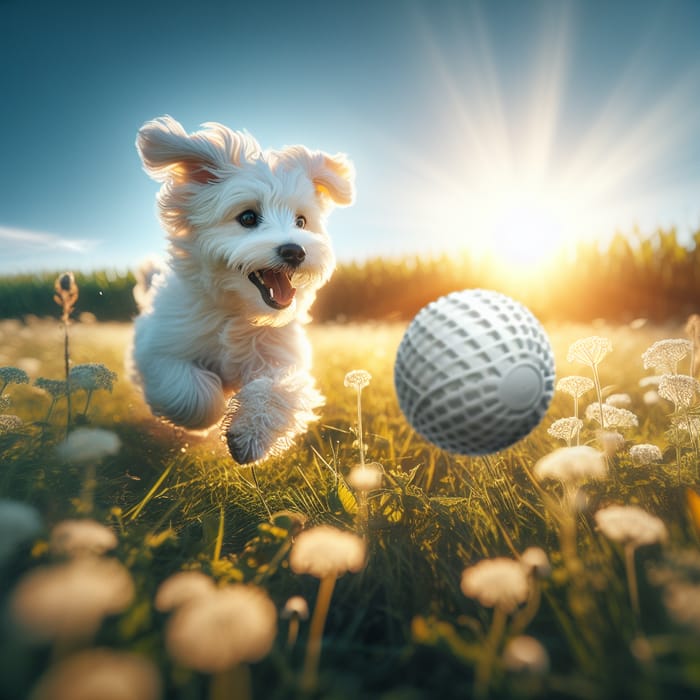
(402, 628)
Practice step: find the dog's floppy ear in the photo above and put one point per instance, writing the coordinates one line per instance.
(333, 176)
(169, 152)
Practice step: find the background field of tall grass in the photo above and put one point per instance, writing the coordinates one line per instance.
(653, 276)
(401, 629)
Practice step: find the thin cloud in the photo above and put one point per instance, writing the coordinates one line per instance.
(23, 239)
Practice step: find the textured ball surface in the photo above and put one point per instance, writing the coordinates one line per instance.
(474, 372)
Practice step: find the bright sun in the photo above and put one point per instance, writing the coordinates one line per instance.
(521, 226)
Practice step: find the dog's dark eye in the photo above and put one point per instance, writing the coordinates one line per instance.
(300, 222)
(248, 219)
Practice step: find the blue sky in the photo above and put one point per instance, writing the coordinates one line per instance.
(508, 124)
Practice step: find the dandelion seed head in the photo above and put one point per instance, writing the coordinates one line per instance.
(10, 424)
(575, 385)
(180, 588)
(75, 538)
(565, 428)
(680, 389)
(664, 355)
(498, 582)
(327, 551)
(217, 631)
(366, 477)
(645, 454)
(619, 400)
(524, 654)
(630, 525)
(614, 417)
(295, 606)
(69, 601)
(536, 562)
(88, 444)
(53, 387)
(100, 673)
(572, 465)
(92, 376)
(589, 351)
(19, 523)
(357, 379)
(13, 375)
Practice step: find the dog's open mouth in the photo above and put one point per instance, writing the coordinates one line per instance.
(275, 287)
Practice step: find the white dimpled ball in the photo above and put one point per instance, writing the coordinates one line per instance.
(474, 372)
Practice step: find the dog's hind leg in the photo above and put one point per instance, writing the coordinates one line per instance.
(183, 393)
(265, 416)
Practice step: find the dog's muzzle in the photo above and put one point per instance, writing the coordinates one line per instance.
(275, 283)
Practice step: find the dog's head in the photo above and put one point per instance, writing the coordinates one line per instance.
(246, 225)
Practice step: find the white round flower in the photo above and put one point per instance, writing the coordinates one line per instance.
(366, 477)
(101, 674)
(10, 424)
(682, 600)
(524, 654)
(182, 587)
(88, 444)
(327, 551)
(575, 385)
(69, 601)
(79, 537)
(614, 417)
(572, 465)
(215, 632)
(664, 355)
(611, 442)
(645, 454)
(630, 525)
(536, 562)
(619, 400)
(357, 379)
(498, 582)
(296, 606)
(680, 389)
(589, 351)
(565, 428)
(651, 397)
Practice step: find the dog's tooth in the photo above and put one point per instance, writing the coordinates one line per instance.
(272, 292)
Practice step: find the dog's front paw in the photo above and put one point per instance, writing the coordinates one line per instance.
(267, 414)
(245, 448)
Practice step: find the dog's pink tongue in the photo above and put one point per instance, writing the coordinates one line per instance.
(278, 282)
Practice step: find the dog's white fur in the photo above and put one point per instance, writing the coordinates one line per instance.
(205, 332)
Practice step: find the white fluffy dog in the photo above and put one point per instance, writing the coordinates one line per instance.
(248, 251)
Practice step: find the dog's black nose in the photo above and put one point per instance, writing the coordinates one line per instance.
(292, 253)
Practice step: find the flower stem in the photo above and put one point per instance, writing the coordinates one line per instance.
(219, 535)
(631, 572)
(293, 631)
(309, 678)
(359, 427)
(233, 683)
(87, 496)
(66, 361)
(484, 667)
(598, 392)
